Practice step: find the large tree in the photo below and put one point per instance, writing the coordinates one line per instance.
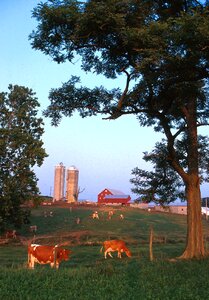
(162, 48)
(162, 184)
(21, 148)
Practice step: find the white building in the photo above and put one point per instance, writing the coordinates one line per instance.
(59, 182)
(72, 184)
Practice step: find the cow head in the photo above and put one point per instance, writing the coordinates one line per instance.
(128, 252)
(63, 254)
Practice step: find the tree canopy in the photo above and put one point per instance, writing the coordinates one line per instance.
(21, 148)
(162, 49)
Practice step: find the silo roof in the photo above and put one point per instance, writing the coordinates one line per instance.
(73, 168)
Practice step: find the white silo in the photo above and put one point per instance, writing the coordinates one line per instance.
(72, 184)
(59, 182)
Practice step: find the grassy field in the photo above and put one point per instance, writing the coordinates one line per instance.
(87, 275)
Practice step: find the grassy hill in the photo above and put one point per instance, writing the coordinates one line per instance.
(135, 228)
(87, 275)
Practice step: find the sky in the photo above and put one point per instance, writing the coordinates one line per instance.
(105, 152)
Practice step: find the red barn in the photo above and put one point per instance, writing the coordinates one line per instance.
(110, 196)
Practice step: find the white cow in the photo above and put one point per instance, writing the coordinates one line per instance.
(121, 216)
(33, 228)
(95, 215)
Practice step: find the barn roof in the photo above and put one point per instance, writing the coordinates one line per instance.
(116, 196)
(115, 192)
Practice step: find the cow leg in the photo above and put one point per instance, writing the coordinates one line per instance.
(109, 253)
(54, 265)
(31, 262)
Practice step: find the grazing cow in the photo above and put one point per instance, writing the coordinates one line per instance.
(52, 255)
(121, 216)
(115, 245)
(33, 228)
(110, 214)
(48, 214)
(78, 220)
(95, 215)
(11, 234)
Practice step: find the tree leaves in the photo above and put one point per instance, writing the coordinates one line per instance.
(21, 148)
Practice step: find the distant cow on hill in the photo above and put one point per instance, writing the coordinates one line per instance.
(78, 220)
(121, 217)
(48, 214)
(33, 228)
(115, 245)
(95, 215)
(11, 234)
(110, 214)
(52, 255)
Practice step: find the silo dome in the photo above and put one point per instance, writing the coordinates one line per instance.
(72, 168)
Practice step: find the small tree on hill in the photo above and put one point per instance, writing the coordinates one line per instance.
(20, 149)
(162, 48)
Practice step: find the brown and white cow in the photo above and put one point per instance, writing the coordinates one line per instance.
(33, 228)
(11, 234)
(52, 255)
(115, 245)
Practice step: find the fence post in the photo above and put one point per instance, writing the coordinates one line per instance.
(150, 244)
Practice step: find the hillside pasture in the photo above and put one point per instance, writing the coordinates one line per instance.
(135, 227)
(87, 275)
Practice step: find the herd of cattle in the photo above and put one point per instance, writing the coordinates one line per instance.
(54, 255)
(95, 215)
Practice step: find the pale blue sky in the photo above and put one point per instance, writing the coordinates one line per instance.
(105, 152)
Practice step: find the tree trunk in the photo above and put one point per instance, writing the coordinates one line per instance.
(195, 242)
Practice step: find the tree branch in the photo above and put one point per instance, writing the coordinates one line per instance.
(117, 111)
(170, 140)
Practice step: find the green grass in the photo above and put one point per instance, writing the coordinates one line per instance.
(136, 225)
(110, 279)
(88, 276)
